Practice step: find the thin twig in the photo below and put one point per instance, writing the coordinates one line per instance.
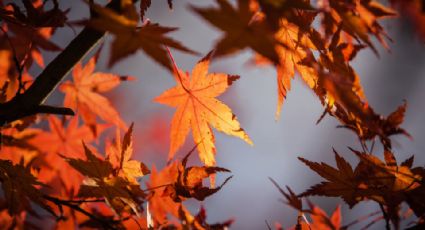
(372, 145)
(85, 201)
(374, 221)
(105, 223)
(156, 187)
(268, 225)
(386, 217)
(137, 223)
(364, 146)
(360, 219)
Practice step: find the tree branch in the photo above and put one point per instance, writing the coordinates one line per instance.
(107, 224)
(54, 110)
(386, 217)
(29, 102)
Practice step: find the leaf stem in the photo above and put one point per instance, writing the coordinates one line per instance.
(176, 70)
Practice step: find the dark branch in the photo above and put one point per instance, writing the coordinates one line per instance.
(386, 217)
(54, 110)
(31, 100)
(107, 224)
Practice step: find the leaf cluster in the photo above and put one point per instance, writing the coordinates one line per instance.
(55, 165)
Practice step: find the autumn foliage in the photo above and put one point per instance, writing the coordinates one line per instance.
(74, 166)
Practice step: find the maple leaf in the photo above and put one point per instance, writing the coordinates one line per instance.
(394, 181)
(9, 82)
(135, 223)
(145, 4)
(15, 141)
(292, 199)
(119, 193)
(92, 167)
(345, 102)
(339, 89)
(336, 76)
(414, 197)
(198, 109)
(129, 37)
(36, 16)
(159, 204)
(290, 58)
(242, 29)
(119, 154)
(15, 144)
(189, 182)
(384, 182)
(322, 221)
(291, 53)
(83, 94)
(299, 12)
(319, 217)
(12, 222)
(397, 178)
(28, 43)
(199, 221)
(174, 184)
(342, 181)
(19, 187)
(359, 19)
(67, 142)
(33, 27)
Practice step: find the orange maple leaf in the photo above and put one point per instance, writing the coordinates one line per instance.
(198, 109)
(9, 75)
(372, 179)
(189, 181)
(20, 187)
(322, 221)
(291, 53)
(160, 205)
(130, 37)
(30, 42)
(15, 146)
(67, 142)
(12, 222)
(359, 19)
(241, 29)
(119, 154)
(120, 194)
(83, 94)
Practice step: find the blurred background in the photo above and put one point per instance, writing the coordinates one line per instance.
(250, 197)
